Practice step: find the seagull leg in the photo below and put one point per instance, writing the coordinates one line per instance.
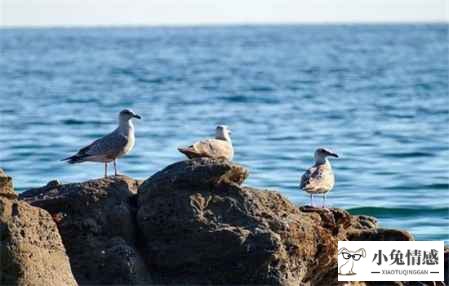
(105, 169)
(311, 200)
(324, 200)
(115, 167)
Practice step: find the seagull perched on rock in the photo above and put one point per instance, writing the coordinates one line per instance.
(319, 179)
(218, 148)
(110, 147)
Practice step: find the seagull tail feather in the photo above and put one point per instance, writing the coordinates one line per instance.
(188, 151)
(74, 159)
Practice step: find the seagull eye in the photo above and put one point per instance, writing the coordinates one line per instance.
(346, 255)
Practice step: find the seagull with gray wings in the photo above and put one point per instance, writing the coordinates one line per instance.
(319, 179)
(218, 148)
(110, 147)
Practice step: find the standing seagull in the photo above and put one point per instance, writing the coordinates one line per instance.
(218, 148)
(319, 179)
(110, 147)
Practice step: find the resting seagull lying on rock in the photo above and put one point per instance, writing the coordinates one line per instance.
(218, 148)
(110, 147)
(319, 179)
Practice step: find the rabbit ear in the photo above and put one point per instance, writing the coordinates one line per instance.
(342, 249)
(363, 252)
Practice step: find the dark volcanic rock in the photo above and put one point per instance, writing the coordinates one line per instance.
(193, 223)
(215, 231)
(31, 250)
(381, 234)
(344, 226)
(96, 220)
(195, 173)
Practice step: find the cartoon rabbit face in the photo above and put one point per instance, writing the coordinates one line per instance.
(350, 256)
(356, 256)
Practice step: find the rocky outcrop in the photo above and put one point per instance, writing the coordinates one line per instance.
(96, 220)
(31, 250)
(201, 226)
(194, 223)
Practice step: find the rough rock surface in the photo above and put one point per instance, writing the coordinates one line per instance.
(201, 226)
(31, 250)
(194, 223)
(96, 220)
(6, 187)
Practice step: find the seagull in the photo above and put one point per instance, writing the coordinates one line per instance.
(110, 147)
(319, 179)
(218, 148)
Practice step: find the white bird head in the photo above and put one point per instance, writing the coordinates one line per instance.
(322, 153)
(223, 132)
(126, 114)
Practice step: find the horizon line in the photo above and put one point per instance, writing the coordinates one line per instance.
(230, 24)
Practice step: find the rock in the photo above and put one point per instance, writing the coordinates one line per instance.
(357, 228)
(194, 223)
(6, 187)
(344, 226)
(31, 250)
(195, 173)
(96, 220)
(211, 230)
(201, 226)
(381, 235)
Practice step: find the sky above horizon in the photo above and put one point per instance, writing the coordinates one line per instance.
(197, 12)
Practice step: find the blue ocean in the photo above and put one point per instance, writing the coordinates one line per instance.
(376, 94)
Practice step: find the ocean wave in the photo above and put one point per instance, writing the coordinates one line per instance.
(400, 212)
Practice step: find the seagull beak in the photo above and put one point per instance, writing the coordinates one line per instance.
(333, 154)
(137, 116)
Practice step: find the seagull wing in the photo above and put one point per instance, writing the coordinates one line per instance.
(215, 148)
(102, 150)
(311, 178)
(212, 148)
(304, 179)
(318, 179)
(109, 146)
